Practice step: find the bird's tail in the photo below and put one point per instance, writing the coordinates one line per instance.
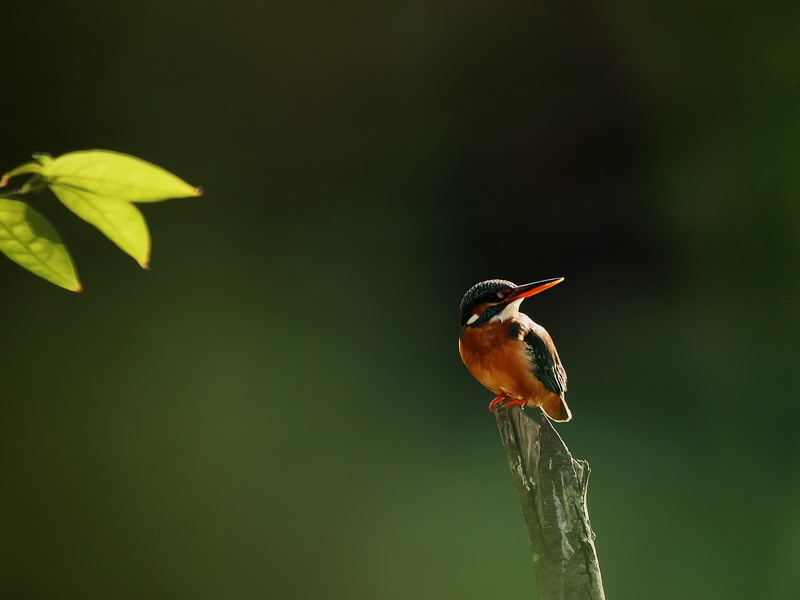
(556, 408)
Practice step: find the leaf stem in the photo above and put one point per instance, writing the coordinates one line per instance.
(34, 184)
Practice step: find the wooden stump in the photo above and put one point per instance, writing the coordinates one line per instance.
(552, 493)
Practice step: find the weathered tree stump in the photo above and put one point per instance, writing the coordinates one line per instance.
(552, 493)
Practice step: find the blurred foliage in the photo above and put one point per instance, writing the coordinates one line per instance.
(283, 413)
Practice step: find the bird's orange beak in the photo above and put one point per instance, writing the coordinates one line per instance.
(529, 289)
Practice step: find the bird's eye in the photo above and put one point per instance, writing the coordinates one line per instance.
(501, 294)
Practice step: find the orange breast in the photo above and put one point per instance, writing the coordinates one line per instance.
(501, 363)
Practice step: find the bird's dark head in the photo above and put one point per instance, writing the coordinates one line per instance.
(498, 298)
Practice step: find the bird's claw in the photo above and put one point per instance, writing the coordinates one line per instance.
(498, 401)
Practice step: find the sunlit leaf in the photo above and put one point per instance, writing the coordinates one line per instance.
(28, 239)
(114, 175)
(119, 220)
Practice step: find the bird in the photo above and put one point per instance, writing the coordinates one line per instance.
(508, 352)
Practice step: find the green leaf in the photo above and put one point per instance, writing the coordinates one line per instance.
(28, 239)
(114, 175)
(120, 221)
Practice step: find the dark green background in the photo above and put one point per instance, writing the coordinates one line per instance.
(278, 410)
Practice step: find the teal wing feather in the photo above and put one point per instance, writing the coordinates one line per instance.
(546, 364)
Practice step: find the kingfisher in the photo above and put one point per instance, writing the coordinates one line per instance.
(508, 352)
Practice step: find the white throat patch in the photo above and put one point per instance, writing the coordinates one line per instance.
(472, 319)
(509, 312)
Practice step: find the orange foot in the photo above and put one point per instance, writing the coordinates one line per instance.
(499, 401)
